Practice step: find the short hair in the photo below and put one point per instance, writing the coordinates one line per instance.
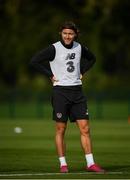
(70, 25)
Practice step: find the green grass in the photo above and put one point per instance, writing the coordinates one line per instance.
(98, 109)
(33, 151)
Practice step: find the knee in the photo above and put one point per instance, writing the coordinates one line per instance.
(60, 130)
(85, 130)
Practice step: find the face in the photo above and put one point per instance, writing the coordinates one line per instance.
(68, 36)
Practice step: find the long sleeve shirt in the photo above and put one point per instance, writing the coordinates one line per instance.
(41, 61)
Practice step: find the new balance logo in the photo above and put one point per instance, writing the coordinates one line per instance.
(70, 56)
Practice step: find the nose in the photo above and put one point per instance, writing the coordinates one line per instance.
(67, 35)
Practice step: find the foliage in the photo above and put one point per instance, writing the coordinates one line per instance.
(29, 26)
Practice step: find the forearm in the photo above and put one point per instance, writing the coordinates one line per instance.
(42, 69)
(89, 64)
(88, 59)
(41, 60)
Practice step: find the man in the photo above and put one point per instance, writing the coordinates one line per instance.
(67, 61)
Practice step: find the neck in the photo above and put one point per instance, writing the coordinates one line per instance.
(68, 46)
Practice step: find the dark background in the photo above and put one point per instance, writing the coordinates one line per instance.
(27, 26)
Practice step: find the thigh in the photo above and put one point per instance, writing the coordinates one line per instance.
(60, 106)
(79, 109)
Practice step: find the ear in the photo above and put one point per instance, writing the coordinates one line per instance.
(76, 36)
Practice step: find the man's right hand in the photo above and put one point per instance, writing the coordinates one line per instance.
(53, 79)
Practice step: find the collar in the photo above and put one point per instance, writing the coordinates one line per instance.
(67, 46)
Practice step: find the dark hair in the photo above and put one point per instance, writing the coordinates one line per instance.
(69, 25)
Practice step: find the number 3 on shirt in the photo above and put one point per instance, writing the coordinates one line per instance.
(70, 67)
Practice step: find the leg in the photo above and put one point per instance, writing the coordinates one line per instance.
(83, 125)
(59, 138)
(85, 135)
(87, 145)
(60, 145)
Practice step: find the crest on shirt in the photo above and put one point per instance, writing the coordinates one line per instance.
(59, 115)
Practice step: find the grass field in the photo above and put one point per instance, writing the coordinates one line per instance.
(98, 109)
(32, 154)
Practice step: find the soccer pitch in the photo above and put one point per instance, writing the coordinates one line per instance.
(32, 154)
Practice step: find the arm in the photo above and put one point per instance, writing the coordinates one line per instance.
(87, 59)
(41, 60)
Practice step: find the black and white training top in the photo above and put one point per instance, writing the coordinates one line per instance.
(66, 65)
(65, 62)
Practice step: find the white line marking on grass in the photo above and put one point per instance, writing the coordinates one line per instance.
(49, 174)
